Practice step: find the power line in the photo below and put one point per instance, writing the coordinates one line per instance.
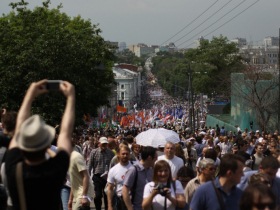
(191, 21)
(232, 18)
(204, 21)
(227, 21)
(219, 19)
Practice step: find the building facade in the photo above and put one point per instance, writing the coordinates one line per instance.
(128, 89)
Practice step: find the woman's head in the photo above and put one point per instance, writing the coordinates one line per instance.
(257, 196)
(162, 172)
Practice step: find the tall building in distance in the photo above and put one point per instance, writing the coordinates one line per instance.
(264, 55)
(122, 46)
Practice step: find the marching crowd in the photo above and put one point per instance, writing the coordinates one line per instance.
(67, 168)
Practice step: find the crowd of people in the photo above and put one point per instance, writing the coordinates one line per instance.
(75, 168)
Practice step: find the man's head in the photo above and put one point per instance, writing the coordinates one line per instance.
(225, 138)
(273, 147)
(103, 143)
(269, 165)
(34, 138)
(129, 139)
(204, 150)
(110, 139)
(123, 154)
(9, 122)
(259, 148)
(210, 153)
(231, 167)
(35, 135)
(149, 154)
(264, 143)
(243, 145)
(234, 148)
(169, 150)
(207, 168)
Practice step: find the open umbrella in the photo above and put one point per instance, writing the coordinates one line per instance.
(157, 137)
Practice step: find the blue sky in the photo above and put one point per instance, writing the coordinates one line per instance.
(157, 21)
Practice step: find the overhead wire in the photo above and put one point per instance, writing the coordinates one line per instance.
(219, 19)
(223, 23)
(204, 21)
(191, 22)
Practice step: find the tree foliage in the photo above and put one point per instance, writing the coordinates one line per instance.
(126, 56)
(213, 62)
(46, 43)
(211, 65)
(171, 72)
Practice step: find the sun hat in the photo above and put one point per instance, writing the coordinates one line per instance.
(202, 133)
(103, 140)
(35, 134)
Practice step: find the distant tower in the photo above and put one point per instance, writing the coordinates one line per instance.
(122, 46)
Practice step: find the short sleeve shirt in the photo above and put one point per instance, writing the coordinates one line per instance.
(116, 176)
(42, 183)
(158, 200)
(77, 165)
(205, 197)
(144, 176)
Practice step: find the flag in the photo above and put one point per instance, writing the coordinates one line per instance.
(121, 109)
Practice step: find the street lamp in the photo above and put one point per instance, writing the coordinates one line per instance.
(190, 99)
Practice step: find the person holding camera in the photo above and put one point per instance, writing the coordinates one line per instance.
(35, 178)
(163, 192)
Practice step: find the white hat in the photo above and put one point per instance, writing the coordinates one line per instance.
(260, 139)
(257, 131)
(35, 134)
(202, 133)
(103, 140)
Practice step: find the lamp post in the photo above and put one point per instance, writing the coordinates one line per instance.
(279, 82)
(190, 100)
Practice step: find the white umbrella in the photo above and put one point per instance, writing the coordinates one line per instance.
(157, 137)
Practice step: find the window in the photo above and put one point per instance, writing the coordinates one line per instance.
(122, 95)
(122, 86)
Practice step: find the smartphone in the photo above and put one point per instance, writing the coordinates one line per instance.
(53, 84)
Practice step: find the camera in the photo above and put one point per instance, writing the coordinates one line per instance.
(160, 187)
(53, 84)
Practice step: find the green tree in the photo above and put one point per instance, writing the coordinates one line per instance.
(46, 43)
(126, 56)
(171, 72)
(213, 62)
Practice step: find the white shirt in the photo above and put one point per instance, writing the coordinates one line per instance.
(116, 176)
(175, 164)
(158, 201)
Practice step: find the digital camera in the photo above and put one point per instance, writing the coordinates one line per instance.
(160, 187)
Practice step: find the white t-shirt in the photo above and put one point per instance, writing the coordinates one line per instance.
(278, 173)
(116, 176)
(158, 201)
(175, 164)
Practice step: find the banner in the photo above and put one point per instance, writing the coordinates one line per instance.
(121, 109)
